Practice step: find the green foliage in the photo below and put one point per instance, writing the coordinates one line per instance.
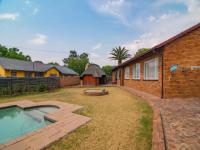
(107, 69)
(144, 132)
(119, 54)
(41, 88)
(77, 62)
(141, 51)
(4, 91)
(54, 63)
(13, 53)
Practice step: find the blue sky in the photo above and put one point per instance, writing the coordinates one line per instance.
(48, 29)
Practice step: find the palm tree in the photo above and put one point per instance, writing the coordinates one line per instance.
(119, 54)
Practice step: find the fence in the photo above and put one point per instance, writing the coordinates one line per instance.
(9, 86)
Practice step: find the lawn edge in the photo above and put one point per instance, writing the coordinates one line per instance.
(158, 135)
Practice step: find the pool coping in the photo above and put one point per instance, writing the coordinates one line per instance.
(65, 121)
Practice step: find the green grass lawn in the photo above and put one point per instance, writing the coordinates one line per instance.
(120, 121)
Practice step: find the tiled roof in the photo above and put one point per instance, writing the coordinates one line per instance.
(20, 65)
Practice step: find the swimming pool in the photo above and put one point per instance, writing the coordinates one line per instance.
(15, 122)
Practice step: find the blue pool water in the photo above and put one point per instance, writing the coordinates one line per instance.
(15, 122)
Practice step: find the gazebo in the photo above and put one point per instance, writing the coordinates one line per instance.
(93, 75)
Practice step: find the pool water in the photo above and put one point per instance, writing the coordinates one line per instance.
(15, 122)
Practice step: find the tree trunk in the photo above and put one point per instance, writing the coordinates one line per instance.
(119, 62)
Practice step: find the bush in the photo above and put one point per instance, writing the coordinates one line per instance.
(5, 91)
(41, 88)
(18, 89)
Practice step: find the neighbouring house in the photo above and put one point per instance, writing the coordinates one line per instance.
(18, 68)
(93, 75)
(169, 70)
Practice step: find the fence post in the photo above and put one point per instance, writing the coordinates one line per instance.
(11, 88)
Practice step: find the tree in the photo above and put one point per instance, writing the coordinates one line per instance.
(107, 69)
(141, 51)
(54, 63)
(119, 54)
(13, 53)
(76, 62)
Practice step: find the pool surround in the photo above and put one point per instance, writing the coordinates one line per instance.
(65, 121)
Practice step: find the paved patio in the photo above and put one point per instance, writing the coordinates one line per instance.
(180, 122)
(65, 122)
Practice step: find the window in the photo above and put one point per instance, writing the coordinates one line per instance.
(28, 74)
(53, 75)
(151, 69)
(39, 74)
(13, 73)
(136, 71)
(126, 72)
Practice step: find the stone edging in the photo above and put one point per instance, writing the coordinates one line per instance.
(158, 139)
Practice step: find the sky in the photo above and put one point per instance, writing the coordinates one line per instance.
(48, 29)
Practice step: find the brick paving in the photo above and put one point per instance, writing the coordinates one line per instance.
(65, 122)
(176, 122)
(181, 120)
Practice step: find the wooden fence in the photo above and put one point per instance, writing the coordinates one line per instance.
(9, 86)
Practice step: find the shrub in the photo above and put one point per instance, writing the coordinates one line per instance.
(41, 88)
(5, 91)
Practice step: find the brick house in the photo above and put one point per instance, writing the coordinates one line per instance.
(169, 70)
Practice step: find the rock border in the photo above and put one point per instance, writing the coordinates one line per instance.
(95, 92)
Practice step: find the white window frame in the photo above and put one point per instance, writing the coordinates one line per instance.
(127, 72)
(155, 61)
(136, 71)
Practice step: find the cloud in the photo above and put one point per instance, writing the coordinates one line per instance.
(166, 25)
(27, 2)
(119, 9)
(151, 18)
(9, 16)
(98, 46)
(93, 55)
(39, 39)
(35, 11)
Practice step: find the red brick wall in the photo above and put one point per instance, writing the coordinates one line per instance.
(185, 52)
(153, 87)
(69, 81)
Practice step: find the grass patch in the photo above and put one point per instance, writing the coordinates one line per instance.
(144, 132)
(119, 120)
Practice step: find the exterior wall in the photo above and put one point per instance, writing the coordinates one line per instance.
(69, 81)
(51, 71)
(20, 74)
(149, 86)
(90, 80)
(2, 72)
(185, 52)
